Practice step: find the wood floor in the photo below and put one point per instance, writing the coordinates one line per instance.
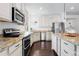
(42, 48)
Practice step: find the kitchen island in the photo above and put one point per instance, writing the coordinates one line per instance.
(67, 44)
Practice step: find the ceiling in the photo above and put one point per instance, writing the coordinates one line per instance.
(51, 8)
(44, 8)
(72, 7)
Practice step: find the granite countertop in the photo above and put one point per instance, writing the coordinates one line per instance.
(72, 39)
(8, 41)
(41, 30)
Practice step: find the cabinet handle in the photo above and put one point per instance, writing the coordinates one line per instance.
(66, 52)
(65, 43)
(17, 45)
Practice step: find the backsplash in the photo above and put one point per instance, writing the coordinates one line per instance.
(10, 25)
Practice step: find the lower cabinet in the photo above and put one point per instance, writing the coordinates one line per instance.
(64, 48)
(54, 42)
(67, 48)
(59, 46)
(4, 53)
(77, 52)
(35, 37)
(17, 52)
(16, 49)
(66, 53)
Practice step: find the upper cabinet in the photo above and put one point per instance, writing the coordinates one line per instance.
(71, 11)
(18, 6)
(5, 12)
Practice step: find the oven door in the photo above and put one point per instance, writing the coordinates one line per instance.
(26, 45)
(26, 42)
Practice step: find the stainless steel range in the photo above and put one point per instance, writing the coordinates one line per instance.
(26, 45)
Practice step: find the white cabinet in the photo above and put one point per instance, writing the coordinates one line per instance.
(24, 11)
(54, 42)
(59, 46)
(16, 49)
(35, 37)
(23, 8)
(77, 52)
(63, 47)
(18, 6)
(4, 53)
(65, 52)
(17, 52)
(5, 12)
(67, 49)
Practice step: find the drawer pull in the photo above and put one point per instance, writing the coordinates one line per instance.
(65, 43)
(66, 52)
(17, 45)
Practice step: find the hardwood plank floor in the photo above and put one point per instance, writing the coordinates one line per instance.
(42, 48)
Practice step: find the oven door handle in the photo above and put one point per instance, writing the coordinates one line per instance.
(27, 47)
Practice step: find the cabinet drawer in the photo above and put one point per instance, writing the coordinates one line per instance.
(65, 52)
(67, 45)
(77, 51)
(4, 53)
(14, 47)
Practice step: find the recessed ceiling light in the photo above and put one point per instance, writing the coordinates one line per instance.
(72, 8)
(41, 8)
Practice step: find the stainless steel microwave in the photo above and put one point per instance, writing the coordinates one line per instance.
(17, 16)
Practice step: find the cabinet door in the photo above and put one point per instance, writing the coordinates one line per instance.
(17, 52)
(16, 49)
(23, 8)
(54, 42)
(4, 53)
(67, 49)
(59, 46)
(77, 51)
(5, 12)
(18, 6)
(35, 37)
(65, 52)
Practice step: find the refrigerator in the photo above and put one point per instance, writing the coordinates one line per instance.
(58, 27)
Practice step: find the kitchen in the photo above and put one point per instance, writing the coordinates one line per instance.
(39, 29)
